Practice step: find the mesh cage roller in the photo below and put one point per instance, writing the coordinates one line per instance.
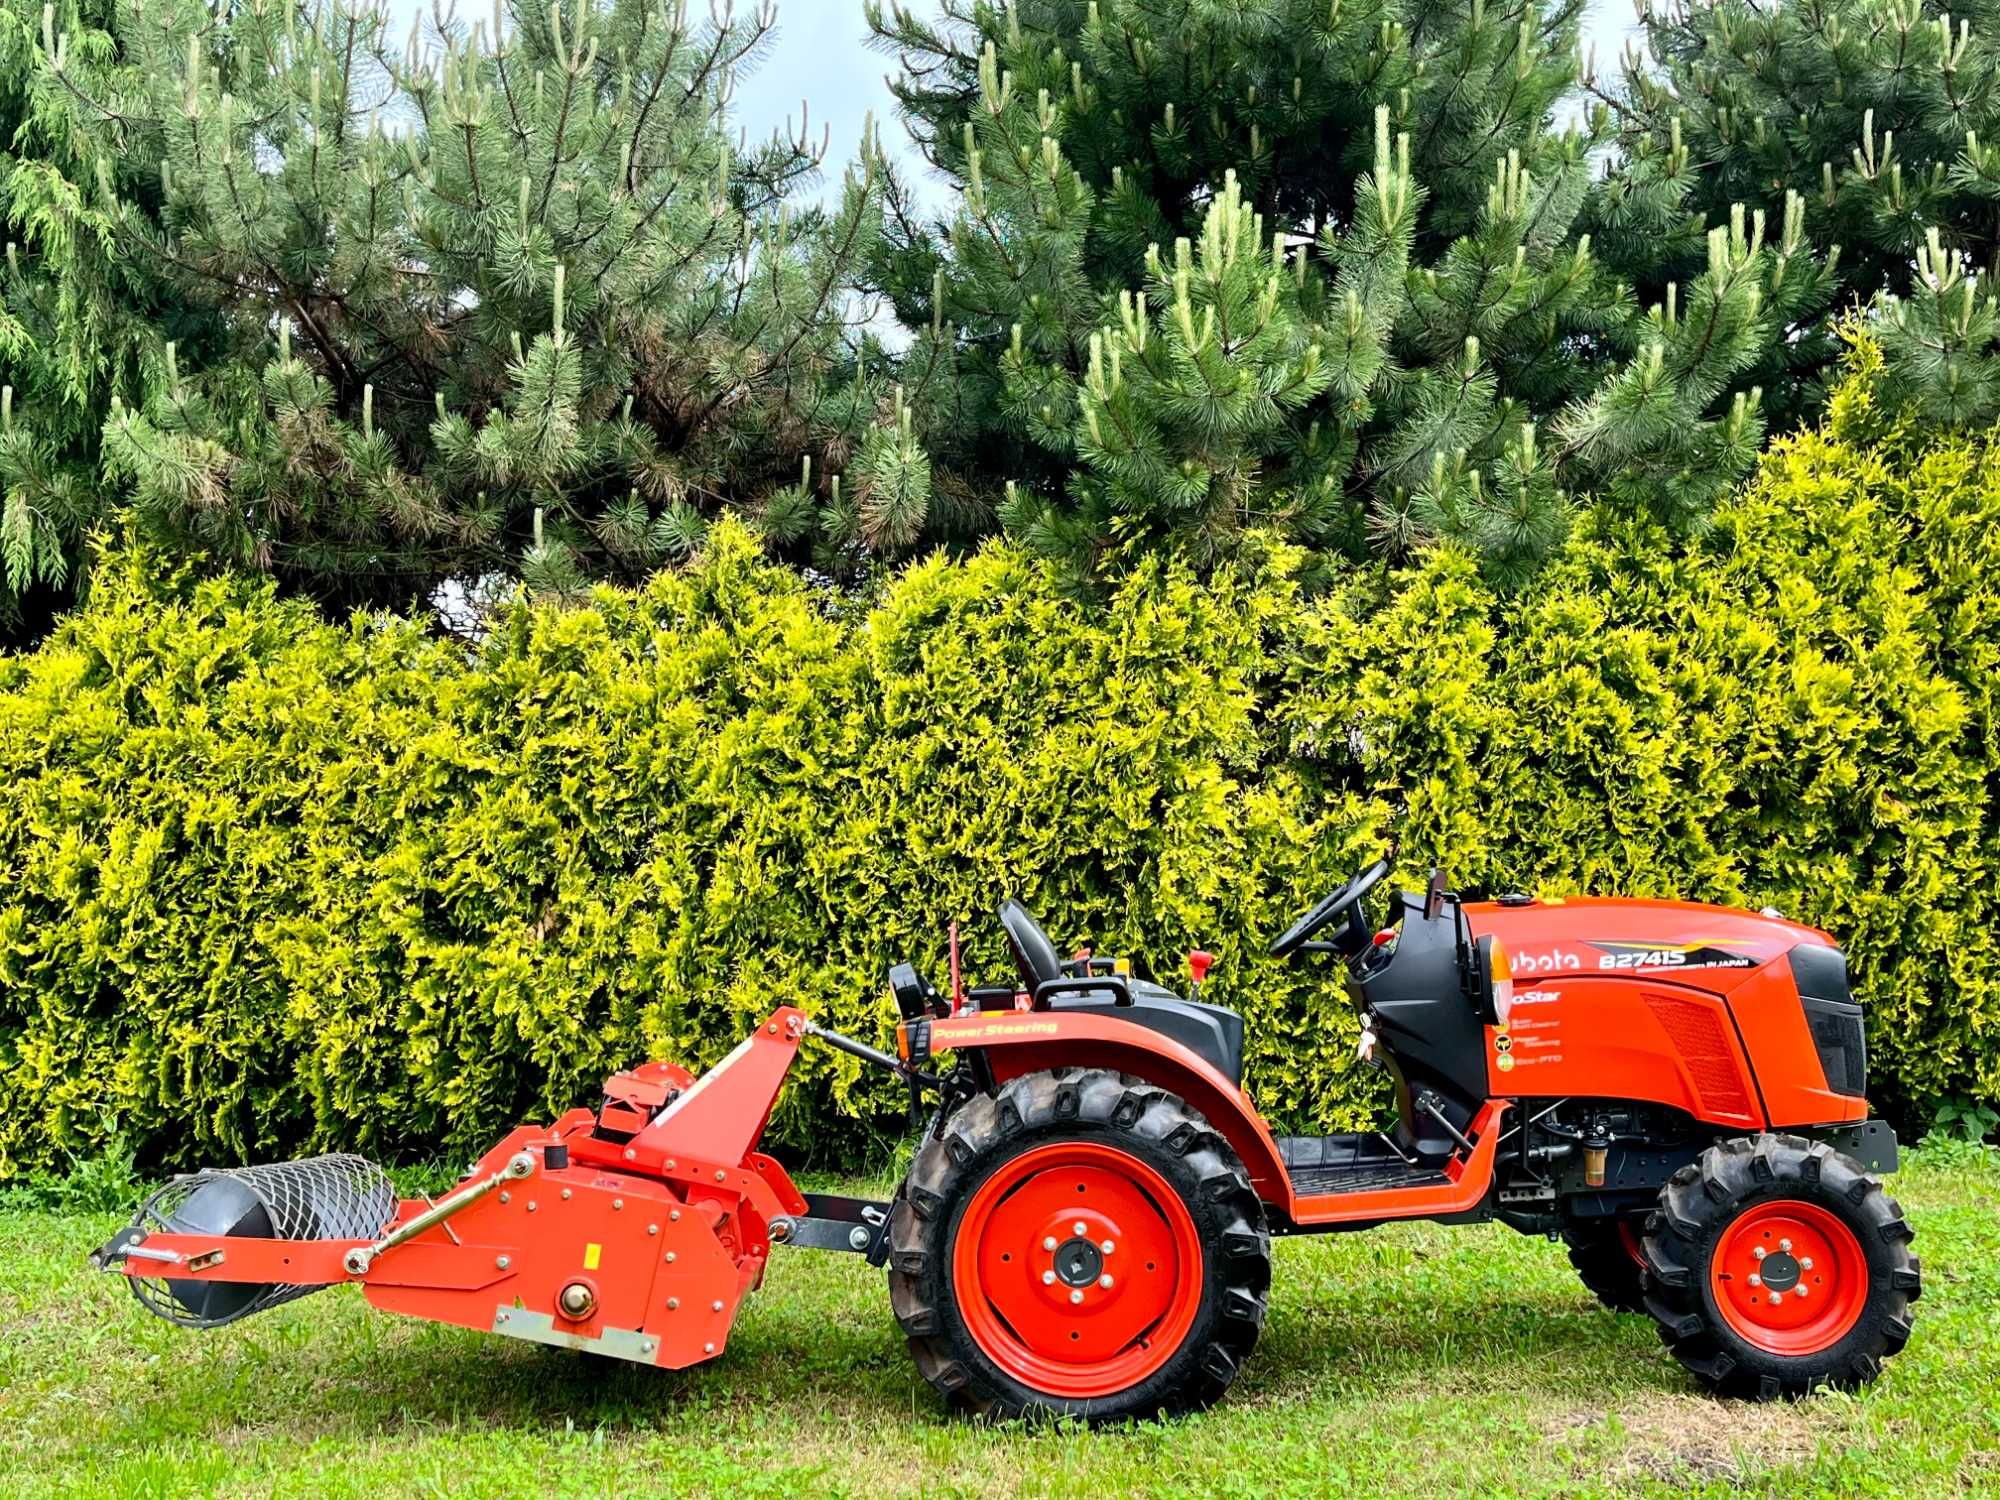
(321, 1198)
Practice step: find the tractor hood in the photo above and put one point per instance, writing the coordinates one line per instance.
(1708, 947)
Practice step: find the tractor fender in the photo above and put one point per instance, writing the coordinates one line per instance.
(1017, 1042)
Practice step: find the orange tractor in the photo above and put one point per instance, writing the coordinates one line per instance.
(1677, 1091)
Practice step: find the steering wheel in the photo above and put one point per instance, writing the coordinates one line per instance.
(1347, 899)
(1034, 955)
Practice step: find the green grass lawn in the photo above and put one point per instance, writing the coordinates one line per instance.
(1413, 1360)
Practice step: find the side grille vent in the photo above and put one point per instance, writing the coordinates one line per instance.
(1698, 1036)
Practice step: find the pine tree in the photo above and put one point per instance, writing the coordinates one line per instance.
(76, 321)
(506, 298)
(1377, 304)
(1883, 121)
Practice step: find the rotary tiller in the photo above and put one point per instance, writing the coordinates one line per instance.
(1674, 1090)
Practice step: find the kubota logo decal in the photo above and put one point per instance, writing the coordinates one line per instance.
(1673, 956)
(1555, 961)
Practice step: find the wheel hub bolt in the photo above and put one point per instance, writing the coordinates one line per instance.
(1048, 1278)
(1777, 1297)
(1079, 1228)
(1805, 1263)
(1799, 1290)
(1107, 1247)
(1076, 1296)
(1105, 1281)
(1784, 1244)
(1048, 1242)
(1755, 1279)
(1759, 1252)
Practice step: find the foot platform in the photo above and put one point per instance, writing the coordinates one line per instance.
(1324, 1165)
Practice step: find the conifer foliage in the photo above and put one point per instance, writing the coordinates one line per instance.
(1882, 119)
(507, 298)
(507, 292)
(76, 319)
(1354, 269)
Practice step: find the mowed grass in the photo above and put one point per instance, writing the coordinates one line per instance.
(1410, 1360)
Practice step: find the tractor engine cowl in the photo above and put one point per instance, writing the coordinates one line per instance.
(1755, 1011)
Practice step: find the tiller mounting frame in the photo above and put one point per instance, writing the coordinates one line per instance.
(633, 1232)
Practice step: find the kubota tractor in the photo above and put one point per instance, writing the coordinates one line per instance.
(1677, 1091)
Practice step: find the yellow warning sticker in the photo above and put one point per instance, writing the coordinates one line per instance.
(591, 1255)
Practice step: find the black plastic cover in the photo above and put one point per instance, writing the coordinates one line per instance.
(1833, 1016)
(1213, 1033)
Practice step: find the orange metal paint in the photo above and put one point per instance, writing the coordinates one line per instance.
(723, 1113)
(1097, 1040)
(1634, 1246)
(1081, 1341)
(1827, 1261)
(1467, 1182)
(1774, 1030)
(671, 1229)
(1029, 1043)
(1593, 1036)
(1727, 1043)
(1549, 941)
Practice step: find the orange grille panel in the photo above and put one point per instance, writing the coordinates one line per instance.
(1697, 1035)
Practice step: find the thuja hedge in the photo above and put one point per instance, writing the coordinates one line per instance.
(269, 883)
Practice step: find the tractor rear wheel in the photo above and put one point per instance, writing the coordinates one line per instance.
(1775, 1264)
(1608, 1255)
(1081, 1244)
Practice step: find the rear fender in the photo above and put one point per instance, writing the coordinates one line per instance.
(1018, 1042)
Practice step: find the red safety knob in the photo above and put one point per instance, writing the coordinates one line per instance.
(1199, 963)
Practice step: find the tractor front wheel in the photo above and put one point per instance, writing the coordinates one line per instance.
(1775, 1264)
(1608, 1255)
(1079, 1244)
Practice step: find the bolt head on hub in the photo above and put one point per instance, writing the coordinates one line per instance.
(1079, 1228)
(1076, 1296)
(1048, 1278)
(1755, 1279)
(1048, 1242)
(1105, 1281)
(1759, 1252)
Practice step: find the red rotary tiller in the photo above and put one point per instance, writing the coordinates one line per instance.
(1674, 1090)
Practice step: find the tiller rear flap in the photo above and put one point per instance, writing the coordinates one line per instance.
(633, 1232)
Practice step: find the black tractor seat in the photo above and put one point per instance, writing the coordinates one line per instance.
(1213, 1033)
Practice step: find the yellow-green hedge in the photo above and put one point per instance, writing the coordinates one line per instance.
(268, 883)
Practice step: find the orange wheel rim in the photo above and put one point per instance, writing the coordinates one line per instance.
(1630, 1239)
(1789, 1278)
(1043, 1296)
